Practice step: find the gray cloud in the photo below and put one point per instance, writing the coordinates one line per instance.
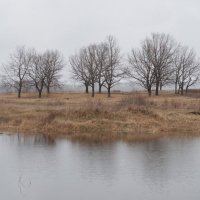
(69, 24)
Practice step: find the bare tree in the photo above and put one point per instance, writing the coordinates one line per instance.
(187, 69)
(89, 54)
(37, 72)
(54, 63)
(161, 50)
(141, 69)
(89, 64)
(113, 72)
(101, 61)
(79, 69)
(84, 66)
(98, 63)
(16, 70)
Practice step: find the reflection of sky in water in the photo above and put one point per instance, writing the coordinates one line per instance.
(43, 168)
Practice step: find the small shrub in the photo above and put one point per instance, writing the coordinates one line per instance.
(53, 114)
(175, 104)
(95, 106)
(136, 100)
(4, 120)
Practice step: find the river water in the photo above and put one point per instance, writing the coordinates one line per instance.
(40, 168)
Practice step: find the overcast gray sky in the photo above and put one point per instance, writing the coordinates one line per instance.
(67, 25)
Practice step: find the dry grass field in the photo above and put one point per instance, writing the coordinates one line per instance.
(124, 116)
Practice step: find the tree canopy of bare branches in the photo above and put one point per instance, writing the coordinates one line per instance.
(89, 54)
(26, 68)
(152, 64)
(79, 69)
(159, 61)
(141, 69)
(16, 70)
(37, 72)
(98, 64)
(54, 63)
(186, 68)
(113, 71)
(161, 49)
(101, 63)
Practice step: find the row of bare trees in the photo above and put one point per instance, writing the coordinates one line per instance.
(27, 68)
(99, 64)
(162, 61)
(158, 62)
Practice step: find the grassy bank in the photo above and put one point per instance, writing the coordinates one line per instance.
(125, 116)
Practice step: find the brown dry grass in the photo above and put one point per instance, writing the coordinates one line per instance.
(124, 116)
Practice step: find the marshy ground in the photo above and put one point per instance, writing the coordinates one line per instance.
(124, 116)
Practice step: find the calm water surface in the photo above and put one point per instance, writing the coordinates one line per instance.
(39, 168)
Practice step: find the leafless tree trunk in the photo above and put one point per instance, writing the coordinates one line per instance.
(86, 88)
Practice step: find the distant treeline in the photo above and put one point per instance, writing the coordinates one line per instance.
(158, 62)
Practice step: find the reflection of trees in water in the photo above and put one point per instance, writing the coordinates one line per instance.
(156, 161)
(35, 140)
(96, 159)
(44, 139)
(160, 161)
